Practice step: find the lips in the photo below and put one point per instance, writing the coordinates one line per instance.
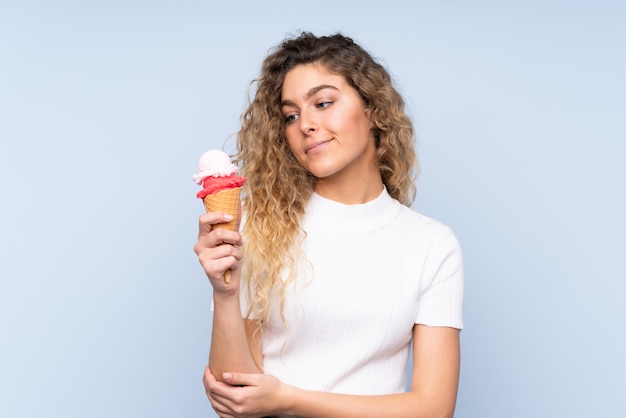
(316, 146)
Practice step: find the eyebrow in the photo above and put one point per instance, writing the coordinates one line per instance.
(310, 93)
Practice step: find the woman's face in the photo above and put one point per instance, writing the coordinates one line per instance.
(326, 126)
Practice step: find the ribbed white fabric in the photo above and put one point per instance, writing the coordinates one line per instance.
(374, 271)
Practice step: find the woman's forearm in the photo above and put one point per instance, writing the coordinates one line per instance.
(311, 404)
(231, 348)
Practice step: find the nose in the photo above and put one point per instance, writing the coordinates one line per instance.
(308, 123)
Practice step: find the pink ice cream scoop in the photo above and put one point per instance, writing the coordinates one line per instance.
(216, 173)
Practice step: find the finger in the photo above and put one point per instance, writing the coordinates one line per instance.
(241, 379)
(207, 377)
(214, 386)
(219, 407)
(220, 403)
(216, 260)
(222, 410)
(222, 235)
(207, 220)
(206, 253)
(207, 381)
(219, 236)
(216, 268)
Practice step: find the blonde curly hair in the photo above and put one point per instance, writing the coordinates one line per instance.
(278, 187)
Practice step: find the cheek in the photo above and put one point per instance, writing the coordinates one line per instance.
(292, 143)
(355, 119)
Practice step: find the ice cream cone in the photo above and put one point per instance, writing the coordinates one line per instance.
(221, 188)
(226, 201)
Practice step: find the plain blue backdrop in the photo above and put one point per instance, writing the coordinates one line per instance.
(105, 107)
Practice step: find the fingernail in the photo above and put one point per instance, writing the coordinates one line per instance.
(228, 216)
(227, 376)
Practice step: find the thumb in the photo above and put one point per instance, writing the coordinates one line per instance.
(238, 379)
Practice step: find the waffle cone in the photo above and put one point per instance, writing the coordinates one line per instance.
(226, 201)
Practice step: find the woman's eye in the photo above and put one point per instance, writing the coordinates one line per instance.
(323, 105)
(290, 118)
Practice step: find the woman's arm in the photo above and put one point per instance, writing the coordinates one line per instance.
(436, 363)
(233, 347)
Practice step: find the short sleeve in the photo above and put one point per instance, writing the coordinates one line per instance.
(441, 286)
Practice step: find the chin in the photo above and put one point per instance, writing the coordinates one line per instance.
(322, 174)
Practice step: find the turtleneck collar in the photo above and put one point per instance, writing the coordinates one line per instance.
(364, 217)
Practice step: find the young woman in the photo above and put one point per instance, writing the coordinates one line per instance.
(335, 281)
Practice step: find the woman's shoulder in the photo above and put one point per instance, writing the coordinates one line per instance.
(418, 224)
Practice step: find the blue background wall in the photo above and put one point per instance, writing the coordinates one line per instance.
(105, 107)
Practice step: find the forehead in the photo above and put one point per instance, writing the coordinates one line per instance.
(300, 79)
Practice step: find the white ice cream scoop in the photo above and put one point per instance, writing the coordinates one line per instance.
(214, 163)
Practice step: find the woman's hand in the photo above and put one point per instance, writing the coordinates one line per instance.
(245, 395)
(219, 250)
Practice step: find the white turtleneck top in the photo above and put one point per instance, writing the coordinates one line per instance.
(373, 271)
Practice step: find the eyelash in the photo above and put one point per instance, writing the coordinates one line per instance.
(321, 105)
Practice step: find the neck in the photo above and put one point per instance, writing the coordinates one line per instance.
(356, 183)
(353, 192)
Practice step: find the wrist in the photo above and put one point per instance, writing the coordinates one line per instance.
(228, 297)
(290, 395)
